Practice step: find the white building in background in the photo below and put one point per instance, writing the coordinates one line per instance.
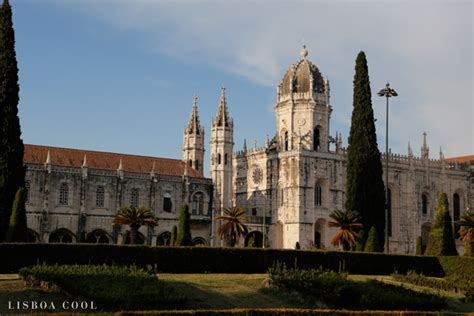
(288, 187)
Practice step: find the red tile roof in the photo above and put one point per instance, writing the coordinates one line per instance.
(462, 159)
(69, 157)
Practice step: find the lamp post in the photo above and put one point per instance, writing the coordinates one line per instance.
(386, 92)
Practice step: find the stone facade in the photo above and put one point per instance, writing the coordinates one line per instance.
(73, 195)
(290, 185)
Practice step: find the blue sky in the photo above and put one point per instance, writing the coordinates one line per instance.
(120, 75)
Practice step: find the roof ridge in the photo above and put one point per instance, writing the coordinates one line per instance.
(101, 152)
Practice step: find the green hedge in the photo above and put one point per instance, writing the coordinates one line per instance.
(283, 312)
(211, 260)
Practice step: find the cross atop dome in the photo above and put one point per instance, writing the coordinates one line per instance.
(304, 52)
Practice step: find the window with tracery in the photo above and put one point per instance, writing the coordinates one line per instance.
(64, 194)
(100, 196)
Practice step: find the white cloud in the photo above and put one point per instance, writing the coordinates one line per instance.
(423, 48)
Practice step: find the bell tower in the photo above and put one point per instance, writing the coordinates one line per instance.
(193, 141)
(303, 110)
(222, 146)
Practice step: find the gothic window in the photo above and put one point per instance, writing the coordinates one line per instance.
(218, 159)
(316, 140)
(286, 141)
(64, 194)
(318, 199)
(167, 204)
(389, 212)
(27, 192)
(225, 159)
(198, 204)
(197, 165)
(100, 196)
(254, 211)
(190, 163)
(456, 214)
(134, 198)
(424, 204)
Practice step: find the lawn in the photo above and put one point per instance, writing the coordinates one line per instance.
(204, 291)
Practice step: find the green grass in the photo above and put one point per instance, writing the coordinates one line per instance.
(207, 291)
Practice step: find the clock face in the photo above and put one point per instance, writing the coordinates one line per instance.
(257, 175)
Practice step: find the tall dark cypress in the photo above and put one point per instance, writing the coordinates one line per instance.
(12, 170)
(365, 192)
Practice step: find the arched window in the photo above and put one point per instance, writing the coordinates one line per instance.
(163, 239)
(318, 198)
(424, 204)
(286, 141)
(61, 235)
(134, 198)
(190, 163)
(198, 241)
(225, 159)
(197, 165)
(456, 214)
(316, 140)
(389, 212)
(27, 192)
(167, 204)
(218, 159)
(100, 196)
(198, 204)
(64, 194)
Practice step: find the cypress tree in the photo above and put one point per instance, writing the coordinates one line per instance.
(184, 230)
(360, 244)
(12, 170)
(419, 246)
(441, 238)
(174, 235)
(17, 230)
(372, 244)
(365, 192)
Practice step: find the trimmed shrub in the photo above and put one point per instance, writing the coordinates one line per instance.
(360, 244)
(184, 230)
(212, 259)
(114, 286)
(337, 291)
(372, 243)
(17, 230)
(441, 237)
(469, 249)
(174, 235)
(419, 246)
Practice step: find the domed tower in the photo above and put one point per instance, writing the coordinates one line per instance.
(193, 141)
(303, 110)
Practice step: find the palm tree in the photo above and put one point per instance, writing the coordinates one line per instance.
(348, 222)
(232, 228)
(134, 217)
(467, 231)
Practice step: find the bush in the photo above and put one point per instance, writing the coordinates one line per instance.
(372, 243)
(184, 231)
(212, 259)
(113, 286)
(336, 290)
(419, 246)
(17, 230)
(441, 237)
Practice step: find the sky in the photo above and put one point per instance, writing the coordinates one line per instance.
(120, 75)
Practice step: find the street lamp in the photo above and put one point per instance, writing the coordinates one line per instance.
(387, 92)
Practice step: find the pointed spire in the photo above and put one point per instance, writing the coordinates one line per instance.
(84, 161)
(194, 125)
(267, 141)
(441, 155)
(48, 159)
(47, 163)
(245, 145)
(254, 144)
(410, 151)
(120, 169)
(425, 150)
(152, 172)
(222, 116)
